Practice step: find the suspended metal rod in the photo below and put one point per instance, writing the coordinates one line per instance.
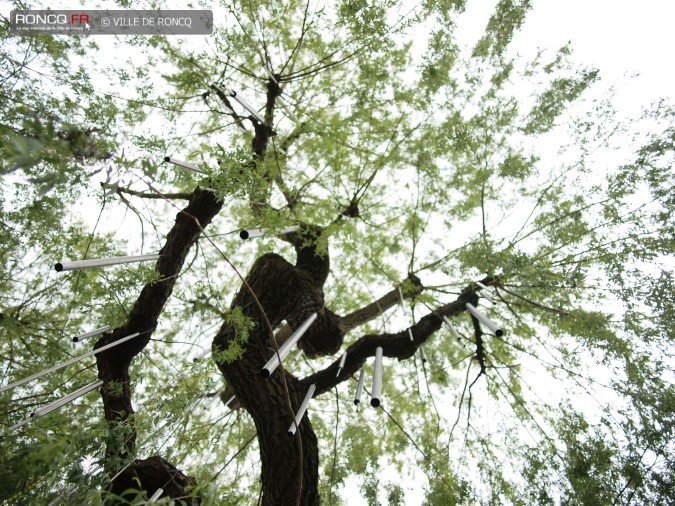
(102, 262)
(259, 232)
(285, 348)
(95, 332)
(67, 363)
(66, 399)
(453, 331)
(301, 410)
(359, 387)
(184, 165)
(485, 320)
(341, 364)
(377, 379)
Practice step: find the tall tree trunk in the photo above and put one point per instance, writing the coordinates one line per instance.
(282, 291)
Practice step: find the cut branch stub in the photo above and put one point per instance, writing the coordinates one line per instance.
(152, 474)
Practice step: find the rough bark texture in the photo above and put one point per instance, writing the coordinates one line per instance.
(113, 365)
(283, 291)
(154, 473)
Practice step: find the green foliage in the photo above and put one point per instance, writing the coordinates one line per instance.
(242, 326)
(439, 173)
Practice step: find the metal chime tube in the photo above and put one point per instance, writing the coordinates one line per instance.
(184, 165)
(269, 73)
(67, 399)
(341, 364)
(285, 348)
(423, 355)
(377, 379)
(259, 232)
(453, 331)
(248, 107)
(486, 297)
(242, 102)
(410, 334)
(400, 294)
(66, 363)
(482, 293)
(95, 332)
(156, 495)
(20, 424)
(102, 262)
(359, 387)
(301, 410)
(485, 320)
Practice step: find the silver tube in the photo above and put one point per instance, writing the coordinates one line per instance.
(252, 234)
(400, 294)
(359, 387)
(102, 262)
(156, 495)
(485, 320)
(423, 355)
(184, 165)
(269, 73)
(481, 285)
(453, 331)
(67, 399)
(23, 422)
(486, 297)
(410, 334)
(92, 333)
(259, 232)
(301, 410)
(248, 107)
(224, 90)
(377, 379)
(285, 348)
(341, 364)
(66, 363)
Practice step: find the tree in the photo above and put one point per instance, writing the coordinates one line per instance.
(412, 194)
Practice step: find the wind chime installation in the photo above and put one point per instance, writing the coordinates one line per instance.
(66, 266)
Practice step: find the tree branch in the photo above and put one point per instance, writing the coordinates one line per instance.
(157, 196)
(378, 307)
(396, 345)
